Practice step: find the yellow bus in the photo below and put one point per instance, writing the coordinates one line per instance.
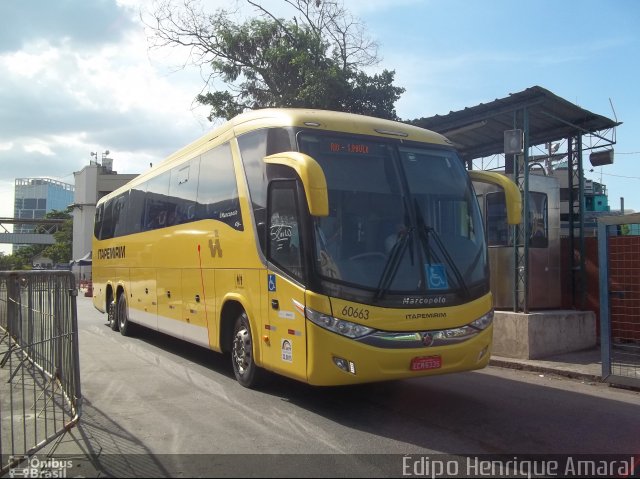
(328, 247)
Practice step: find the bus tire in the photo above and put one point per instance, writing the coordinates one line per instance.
(112, 315)
(247, 373)
(122, 315)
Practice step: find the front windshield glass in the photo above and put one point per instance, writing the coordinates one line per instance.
(401, 219)
(447, 213)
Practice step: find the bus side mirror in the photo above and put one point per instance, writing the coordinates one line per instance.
(312, 176)
(512, 195)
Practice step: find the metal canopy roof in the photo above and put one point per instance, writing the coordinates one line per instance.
(478, 131)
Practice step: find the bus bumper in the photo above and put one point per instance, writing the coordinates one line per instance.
(365, 363)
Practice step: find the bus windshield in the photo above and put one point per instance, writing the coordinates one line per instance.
(403, 218)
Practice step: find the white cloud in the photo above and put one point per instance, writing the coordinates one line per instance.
(63, 101)
(38, 147)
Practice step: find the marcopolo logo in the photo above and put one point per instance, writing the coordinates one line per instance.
(424, 301)
(116, 252)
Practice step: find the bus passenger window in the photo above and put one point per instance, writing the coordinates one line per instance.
(217, 196)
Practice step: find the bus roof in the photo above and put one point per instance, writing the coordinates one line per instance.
(300, 117)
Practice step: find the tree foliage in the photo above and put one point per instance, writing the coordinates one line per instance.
(314, 59)
(59, 252)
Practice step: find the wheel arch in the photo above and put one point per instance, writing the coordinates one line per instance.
(109, 295)
(232, 306)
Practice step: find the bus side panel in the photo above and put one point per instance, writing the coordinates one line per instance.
(199, 308)
(121, 280)
(243, 286)
(99, 280)
(143, 306)
(287, 328)
(169, 292)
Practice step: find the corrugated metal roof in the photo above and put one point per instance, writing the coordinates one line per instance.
(478, 131)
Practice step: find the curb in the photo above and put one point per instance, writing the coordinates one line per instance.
(546, 369)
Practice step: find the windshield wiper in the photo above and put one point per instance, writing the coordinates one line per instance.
(392, 264)
(430, 231)
(395, 255)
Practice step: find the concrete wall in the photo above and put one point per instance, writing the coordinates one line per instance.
(543, 334)
(91, 184)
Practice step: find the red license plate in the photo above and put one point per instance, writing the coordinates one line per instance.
(426, 362)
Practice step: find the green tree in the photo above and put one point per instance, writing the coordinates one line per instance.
(7, 262)
(314, 59)
(60, 251)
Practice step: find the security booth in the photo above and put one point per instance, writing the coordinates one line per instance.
(507, 134)
(544, 243)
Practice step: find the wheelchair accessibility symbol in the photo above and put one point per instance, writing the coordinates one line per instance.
(437, 276)
(272, 282)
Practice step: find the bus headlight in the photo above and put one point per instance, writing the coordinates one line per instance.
(454, 334)
(483, 322)
(340, 326)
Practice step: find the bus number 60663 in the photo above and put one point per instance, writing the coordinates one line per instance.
(358, 313)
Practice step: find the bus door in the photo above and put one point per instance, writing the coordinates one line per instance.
(287, 351)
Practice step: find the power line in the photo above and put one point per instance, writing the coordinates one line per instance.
(622, 176)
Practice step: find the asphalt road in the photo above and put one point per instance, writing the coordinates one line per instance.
(156, 406)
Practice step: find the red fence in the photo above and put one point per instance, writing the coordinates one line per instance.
(624, 284)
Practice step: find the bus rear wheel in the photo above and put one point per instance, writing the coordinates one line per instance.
(122, 315)
(112, 315)
(245, 369)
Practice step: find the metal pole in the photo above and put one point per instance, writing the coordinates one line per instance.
(581, 210)
(603, 272)
(525, 214)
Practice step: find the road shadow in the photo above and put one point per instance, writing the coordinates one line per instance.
(100, 447)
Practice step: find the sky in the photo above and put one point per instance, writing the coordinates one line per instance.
(78, 76)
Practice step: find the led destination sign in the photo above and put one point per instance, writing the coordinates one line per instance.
(358, 148)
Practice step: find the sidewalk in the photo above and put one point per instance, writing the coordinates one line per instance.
(585, 365)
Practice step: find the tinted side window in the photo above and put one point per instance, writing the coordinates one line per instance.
(217, 196)
(119, 214)
(135, 212)
(183, 191)
(97, 224)
(254, 146)
(106, 231)
(156, 202)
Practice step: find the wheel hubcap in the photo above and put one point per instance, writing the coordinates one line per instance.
(242, 351)
(122, 315)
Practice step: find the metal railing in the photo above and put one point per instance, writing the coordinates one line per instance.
(619, 269)
(40, 396)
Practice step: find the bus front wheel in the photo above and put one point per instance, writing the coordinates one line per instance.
(245, 369)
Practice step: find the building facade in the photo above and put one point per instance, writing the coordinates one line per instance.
(35, 197)
(91, 183)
